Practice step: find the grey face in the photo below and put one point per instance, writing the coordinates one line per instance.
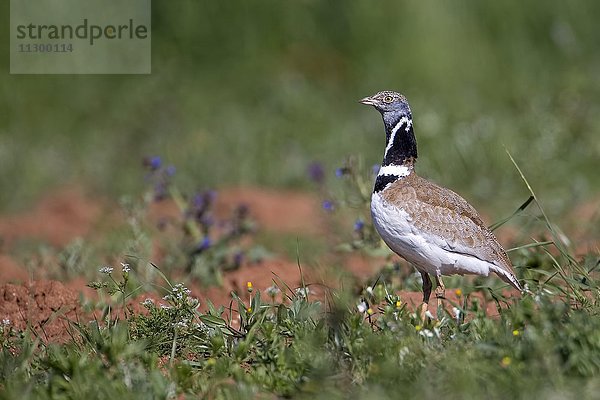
(388, 102)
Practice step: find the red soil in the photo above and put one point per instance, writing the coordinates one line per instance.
(66, 214)
(57, 219)
(45, 306)
(278, 211)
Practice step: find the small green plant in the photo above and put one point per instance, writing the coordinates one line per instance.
(292, 342)
(206, 245)
(353, 201)
(286, 342)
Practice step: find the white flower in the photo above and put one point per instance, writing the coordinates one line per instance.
(181, 324)
(456, 313)
(106, 270)
(403, 353)
(362, 307)
(193, 302)
(272, 290)
(303, 292)
(426, 333)
(6, 321)
(125, 267)
(147, 302)
(429, 315)
(180, 291)
(370, 290)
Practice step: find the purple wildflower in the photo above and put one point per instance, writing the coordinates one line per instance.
(340, 172)
(238, 257)
(201, 203)
(152, 162)
(161, 191)
(359, 225)
(328, 205)
(316, 173)
(204, 244)
(206, 221)
(198, 200)
(210, 195)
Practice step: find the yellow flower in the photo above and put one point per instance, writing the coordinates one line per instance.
(418, 328)
(249, 310)
(249, 286)
(398, 304)
(505, 361)
(458, 292)
(516, 332)
(370, 311)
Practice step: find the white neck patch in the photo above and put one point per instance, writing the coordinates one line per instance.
(397, 170)
(403, 120)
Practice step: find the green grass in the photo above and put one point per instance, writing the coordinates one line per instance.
(543, 344)
(287, 342)
(252, 94)
(273, 86)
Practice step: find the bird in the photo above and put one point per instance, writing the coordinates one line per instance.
(431, 227)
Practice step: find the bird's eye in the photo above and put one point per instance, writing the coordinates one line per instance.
(388, 99)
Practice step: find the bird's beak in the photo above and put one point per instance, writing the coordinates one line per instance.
(368, 101)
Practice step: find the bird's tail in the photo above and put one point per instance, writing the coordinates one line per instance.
(509, 278)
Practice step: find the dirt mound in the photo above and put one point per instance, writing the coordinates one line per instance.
(67, 214)
(276, 210)
(57, 219)
(11, 271)
(261, 275)
(44, 306)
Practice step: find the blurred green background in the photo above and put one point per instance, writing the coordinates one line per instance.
(252, 92)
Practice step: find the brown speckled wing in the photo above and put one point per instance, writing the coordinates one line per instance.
(448, 217)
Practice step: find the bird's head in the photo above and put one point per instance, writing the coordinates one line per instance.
(400, 142)
(388, 102)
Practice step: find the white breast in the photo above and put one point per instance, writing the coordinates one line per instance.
(419, 248)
